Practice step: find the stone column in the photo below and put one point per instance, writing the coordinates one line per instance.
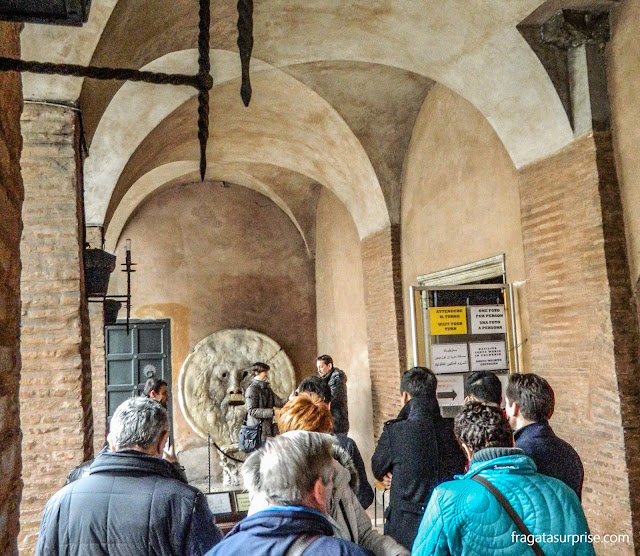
(95, 239)
(55, 391)
(584, 324)
(385, 321)
(11, 198)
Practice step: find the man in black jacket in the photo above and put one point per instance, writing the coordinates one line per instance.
(337, 380)
(416, 452)
(529, 405)
(133, 502)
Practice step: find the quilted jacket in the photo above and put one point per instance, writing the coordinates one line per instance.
(130, 504)
(464, 518)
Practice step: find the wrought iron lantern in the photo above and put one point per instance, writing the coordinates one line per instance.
(61, 12)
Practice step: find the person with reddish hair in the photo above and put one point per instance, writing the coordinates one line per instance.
(309, 412)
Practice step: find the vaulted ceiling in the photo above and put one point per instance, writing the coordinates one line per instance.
(336, 91)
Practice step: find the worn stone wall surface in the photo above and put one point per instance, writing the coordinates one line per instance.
(460, 200)
(623, 52)
(342, 322)
(55, 395)
(11, 198)
(212, 257)
(575, 316)
(385, 323)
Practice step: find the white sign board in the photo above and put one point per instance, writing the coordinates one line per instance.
(450, 390)
(219, 503)
(488, 356)
(449, 358)
(488, 319)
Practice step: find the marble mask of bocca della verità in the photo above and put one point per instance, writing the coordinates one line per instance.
(214, 377)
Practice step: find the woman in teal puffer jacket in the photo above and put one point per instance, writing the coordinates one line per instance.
(464, 518)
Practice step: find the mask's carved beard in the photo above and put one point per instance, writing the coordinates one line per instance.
(233, 416)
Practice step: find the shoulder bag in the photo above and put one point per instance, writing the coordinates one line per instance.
(250, 436)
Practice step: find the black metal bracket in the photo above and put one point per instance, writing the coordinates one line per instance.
(128, 268)
(202, 81)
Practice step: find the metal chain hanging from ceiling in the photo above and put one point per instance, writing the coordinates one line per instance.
(202, 81)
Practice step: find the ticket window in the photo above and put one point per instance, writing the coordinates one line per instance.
(460, 329)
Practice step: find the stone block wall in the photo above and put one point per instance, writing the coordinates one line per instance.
(577, 299)
(55, 391)
(385, 322)
(11, 198)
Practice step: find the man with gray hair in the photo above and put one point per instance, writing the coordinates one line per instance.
(132, 502)
(294, 472)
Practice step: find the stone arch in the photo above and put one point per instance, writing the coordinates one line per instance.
(334, 157)
(162, 176)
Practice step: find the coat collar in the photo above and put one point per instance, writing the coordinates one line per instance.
(541, 428)
(500, 460)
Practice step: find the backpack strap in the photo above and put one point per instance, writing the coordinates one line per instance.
(301, 544)
(512, 513)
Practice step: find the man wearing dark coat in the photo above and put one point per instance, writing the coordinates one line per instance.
(529, 405)
(132, 502)
(416, 452)
(337, 381)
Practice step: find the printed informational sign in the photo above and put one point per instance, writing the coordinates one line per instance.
(449, 358)
(219, 503)
(488, 356)
(450, 390)
(242, 501)
(448, 320)
(488, 319)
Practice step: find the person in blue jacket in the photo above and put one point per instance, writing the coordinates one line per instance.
(464, 518)
(294, 472)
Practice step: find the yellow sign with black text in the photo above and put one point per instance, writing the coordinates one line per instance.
(448, 320)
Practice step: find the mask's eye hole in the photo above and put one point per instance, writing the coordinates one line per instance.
(244, 375)
(224, 375)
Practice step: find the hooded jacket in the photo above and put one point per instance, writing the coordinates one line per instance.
(272, 531)
(464, 518)
(337, 381)
(130, 504)
(259, 401)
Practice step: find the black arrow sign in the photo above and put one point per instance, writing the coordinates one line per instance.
(452, 394)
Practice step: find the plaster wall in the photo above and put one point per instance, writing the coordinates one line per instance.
(211, 257)
(342, 328)
(623, 53)
(460, 198)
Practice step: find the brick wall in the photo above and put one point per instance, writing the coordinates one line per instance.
(385, 322)
(55, 395)
(94, 237)
(11, 198)
(575, 284)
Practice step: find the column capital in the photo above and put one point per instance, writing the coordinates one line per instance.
(572, 28)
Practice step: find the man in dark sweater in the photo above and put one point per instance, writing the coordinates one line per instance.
(529, 406)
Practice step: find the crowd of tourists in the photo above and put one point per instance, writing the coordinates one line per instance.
(491, 481)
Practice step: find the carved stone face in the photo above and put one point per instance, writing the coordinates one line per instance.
(213, 380)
